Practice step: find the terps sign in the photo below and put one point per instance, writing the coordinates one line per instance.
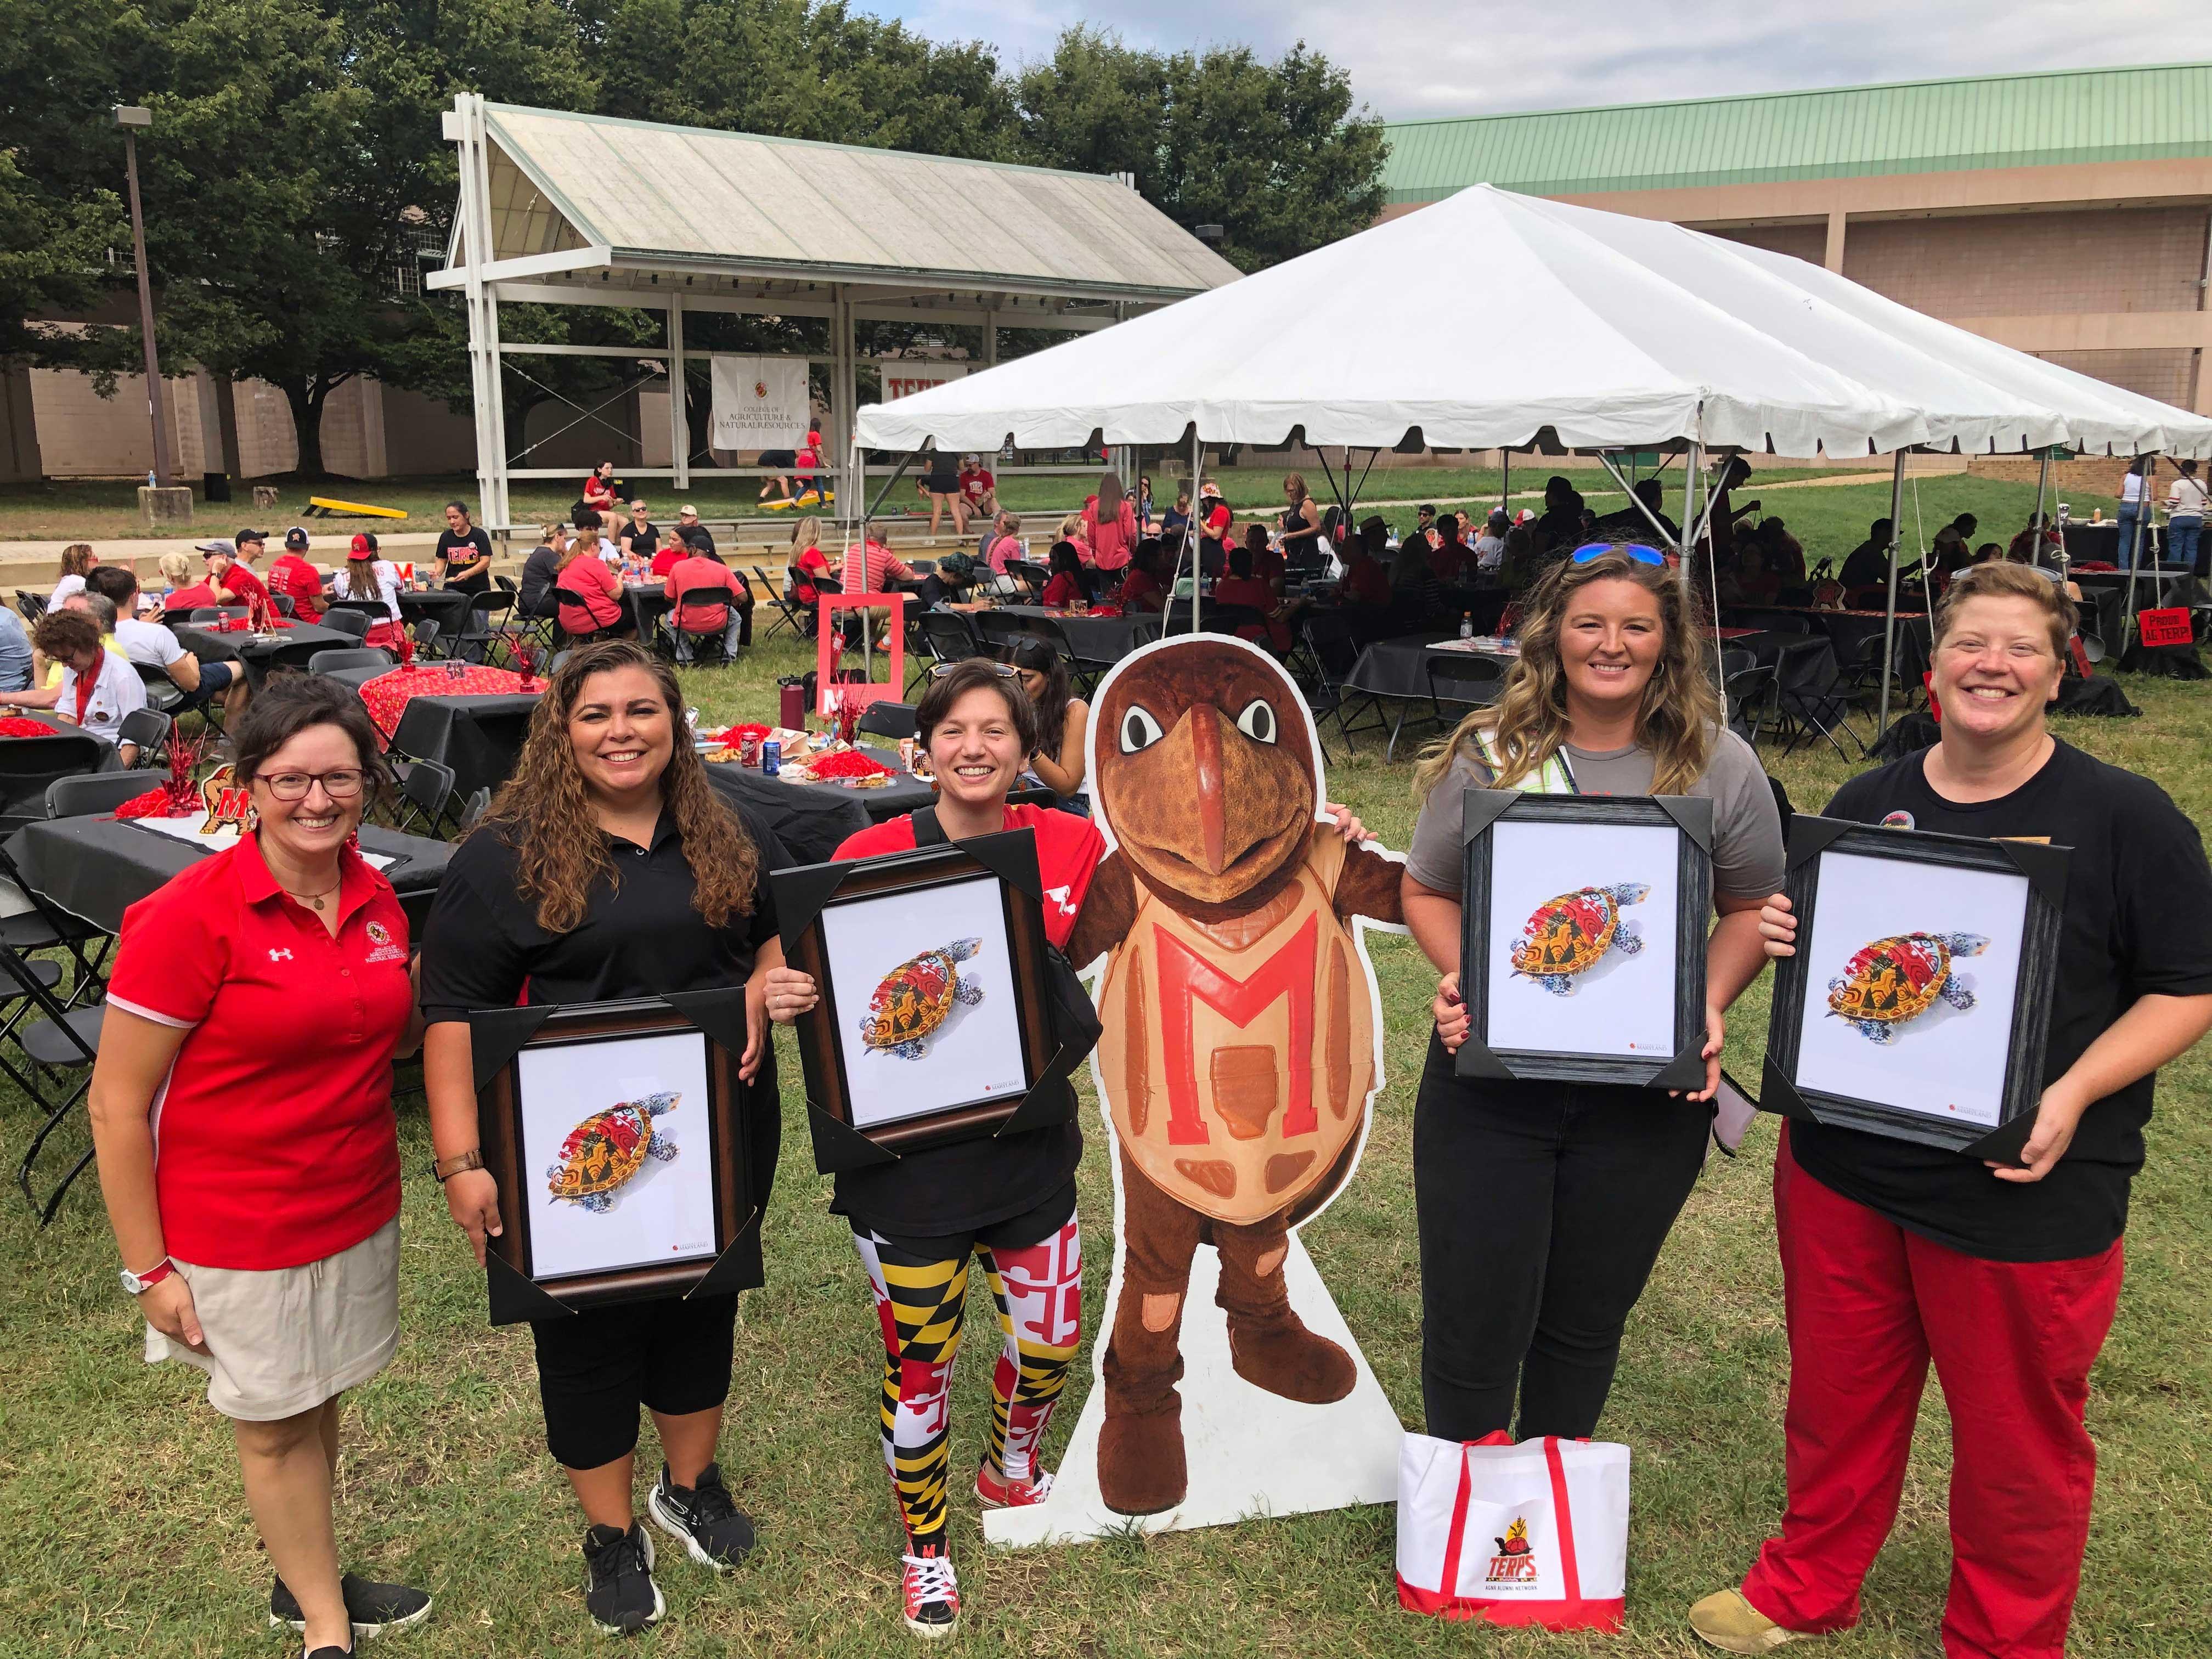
(904, 376)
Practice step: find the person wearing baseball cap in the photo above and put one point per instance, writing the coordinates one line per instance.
(230, 569)
(293, 577)
(368, 576)
(688, 527)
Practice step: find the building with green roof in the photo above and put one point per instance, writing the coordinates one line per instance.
(2068, 214)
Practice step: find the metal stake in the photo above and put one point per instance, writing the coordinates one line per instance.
(1889, 621)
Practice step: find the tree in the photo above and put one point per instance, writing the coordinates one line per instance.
(1274, 153)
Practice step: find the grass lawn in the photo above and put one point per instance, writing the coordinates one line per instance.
(131, 1536)
(107, 509)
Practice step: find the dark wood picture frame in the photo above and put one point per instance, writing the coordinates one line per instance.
(2044, 868)
(501, 1037)
(803, 896)
(1483, 1054)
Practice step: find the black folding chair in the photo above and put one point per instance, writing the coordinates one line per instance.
(1329, 648)
(949, 636)
(32, 605)
(1465, 684)
(425, 788)
(426, 637)
(1810, 697)
(161, 692)
(62, 1044)
(888, 719)
(787, 613)
(708, 645)
(359, 656)
(92, 795)
(344, 619)
(480, 640)
(45, 926)
(282, 605)
(475, 807)
(1750, 695)
(148, 729)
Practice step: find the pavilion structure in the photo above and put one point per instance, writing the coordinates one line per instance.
(560, 208)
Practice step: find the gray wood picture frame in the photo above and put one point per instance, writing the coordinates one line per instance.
(2044, 896)
(1484, 1054)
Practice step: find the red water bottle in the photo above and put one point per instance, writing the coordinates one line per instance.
(793, 715)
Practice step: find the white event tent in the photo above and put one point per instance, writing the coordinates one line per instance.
(1496, 320)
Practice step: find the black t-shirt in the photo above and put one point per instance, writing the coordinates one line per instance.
(482, 948)
(2138, 922)
(535, 594)
(643, 540)
(461, 551)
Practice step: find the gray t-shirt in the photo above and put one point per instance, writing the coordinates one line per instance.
(1747, 861)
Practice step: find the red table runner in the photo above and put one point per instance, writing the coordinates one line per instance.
(388, 695)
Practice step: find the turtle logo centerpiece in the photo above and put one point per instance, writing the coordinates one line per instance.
(1569, 933)
(1896, 980)
(915, 997)
(606, 1149)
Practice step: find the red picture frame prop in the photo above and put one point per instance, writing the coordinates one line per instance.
(2167, 626)
(830, 642)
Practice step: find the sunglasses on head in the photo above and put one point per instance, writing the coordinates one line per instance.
(1005, 671)
(1636, 550)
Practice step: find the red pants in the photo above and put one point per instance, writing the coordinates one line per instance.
(1869, 1305)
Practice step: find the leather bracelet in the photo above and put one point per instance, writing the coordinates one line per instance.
(472, 1159)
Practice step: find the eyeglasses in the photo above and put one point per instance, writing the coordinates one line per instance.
(1636, 550)
(342, 784)
(1005, 671)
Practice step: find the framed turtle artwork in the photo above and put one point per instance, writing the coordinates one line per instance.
(614, 1132)
(1918, 1001)
(1583, 948)
(935, 1020)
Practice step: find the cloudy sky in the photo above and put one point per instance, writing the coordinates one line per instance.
(1417, 58)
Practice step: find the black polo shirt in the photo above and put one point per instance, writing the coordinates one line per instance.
(483, 947)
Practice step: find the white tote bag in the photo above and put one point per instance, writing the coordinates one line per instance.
(1534, 1533)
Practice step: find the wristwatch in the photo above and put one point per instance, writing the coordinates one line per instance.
(446, 1168)
(139, 1284)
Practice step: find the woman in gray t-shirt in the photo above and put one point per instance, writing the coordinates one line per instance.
(1542, 1205)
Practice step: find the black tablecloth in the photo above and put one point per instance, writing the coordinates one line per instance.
(647, 603)
(27, 765)
(355, 677)
(2102, 541)
(812, 818)
(287, 646)
(1399, 667)
(1095, 639)
(446, 606)
(97, 868)
(2147, 591)
(480, 737)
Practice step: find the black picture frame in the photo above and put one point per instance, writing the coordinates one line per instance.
(2044, 868)
(806, 893)
(1485, 1054)
(500, 1037)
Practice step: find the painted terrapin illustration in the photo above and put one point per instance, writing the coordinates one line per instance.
(915, 998)
(1897, 979)
(608, 1147)
(1569, 933)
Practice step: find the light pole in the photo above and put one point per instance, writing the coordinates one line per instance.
(130, 117)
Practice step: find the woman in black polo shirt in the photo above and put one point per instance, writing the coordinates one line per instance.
(608, 868)
(2005, 1276)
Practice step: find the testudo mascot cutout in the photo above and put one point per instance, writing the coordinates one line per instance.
(1241, 1050)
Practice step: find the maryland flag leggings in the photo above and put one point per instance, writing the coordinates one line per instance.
(1038, 1289)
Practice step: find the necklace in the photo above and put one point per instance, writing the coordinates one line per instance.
(313, 900)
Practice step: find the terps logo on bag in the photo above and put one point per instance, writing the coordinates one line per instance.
(1513, 1563)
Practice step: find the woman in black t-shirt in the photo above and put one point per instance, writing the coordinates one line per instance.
(608, 868)
(463, 552)
(2006, 1276)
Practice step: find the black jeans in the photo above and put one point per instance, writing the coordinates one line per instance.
(1541, 1206)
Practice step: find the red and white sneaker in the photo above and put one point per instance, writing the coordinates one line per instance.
(932, 1593)
(997, 1491)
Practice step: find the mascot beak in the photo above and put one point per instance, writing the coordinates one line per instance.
(1201, 727)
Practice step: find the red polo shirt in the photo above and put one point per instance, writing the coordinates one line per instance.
(1068, 851)
(274, 1139)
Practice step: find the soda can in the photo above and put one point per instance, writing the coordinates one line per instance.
(771, 757)
(749, 750)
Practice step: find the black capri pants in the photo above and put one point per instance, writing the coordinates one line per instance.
(597, 1367)
(1541, 1208)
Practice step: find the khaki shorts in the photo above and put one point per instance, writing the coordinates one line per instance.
(282, 1341)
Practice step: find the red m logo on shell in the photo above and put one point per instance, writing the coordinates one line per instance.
(1185, 974)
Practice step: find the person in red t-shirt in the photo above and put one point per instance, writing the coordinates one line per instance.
(1240, 586)
(230, 570)
(1009, 1198)
(1366, 579)
(1453, 561)
(978, 488)
(599, 490)
(261, 1232)
(297, 580)
(713, 591)
(807, 565)
(672, 551)
(1141, 589)
(589, 595)
(1066, 585)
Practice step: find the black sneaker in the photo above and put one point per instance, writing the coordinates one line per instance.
(374, 1608)
(716, 1532)
(328, 1652)
(618, 1588)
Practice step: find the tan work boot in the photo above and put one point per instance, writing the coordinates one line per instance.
(1734, 1626)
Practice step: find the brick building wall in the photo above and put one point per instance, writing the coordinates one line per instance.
(2018, 264)
(1807, 242)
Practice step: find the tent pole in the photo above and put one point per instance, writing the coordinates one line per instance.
(1693, 460)
(1889, 621)
(1190, 525)
(1604, 458)
(2042, 488)
(1505, 484)
(2137, 539)
(680, 430)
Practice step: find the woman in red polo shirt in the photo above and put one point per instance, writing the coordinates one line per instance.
(259, 1229)
(589, 595)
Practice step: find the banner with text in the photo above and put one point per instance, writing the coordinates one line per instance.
(760, 402)
(904, 376)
